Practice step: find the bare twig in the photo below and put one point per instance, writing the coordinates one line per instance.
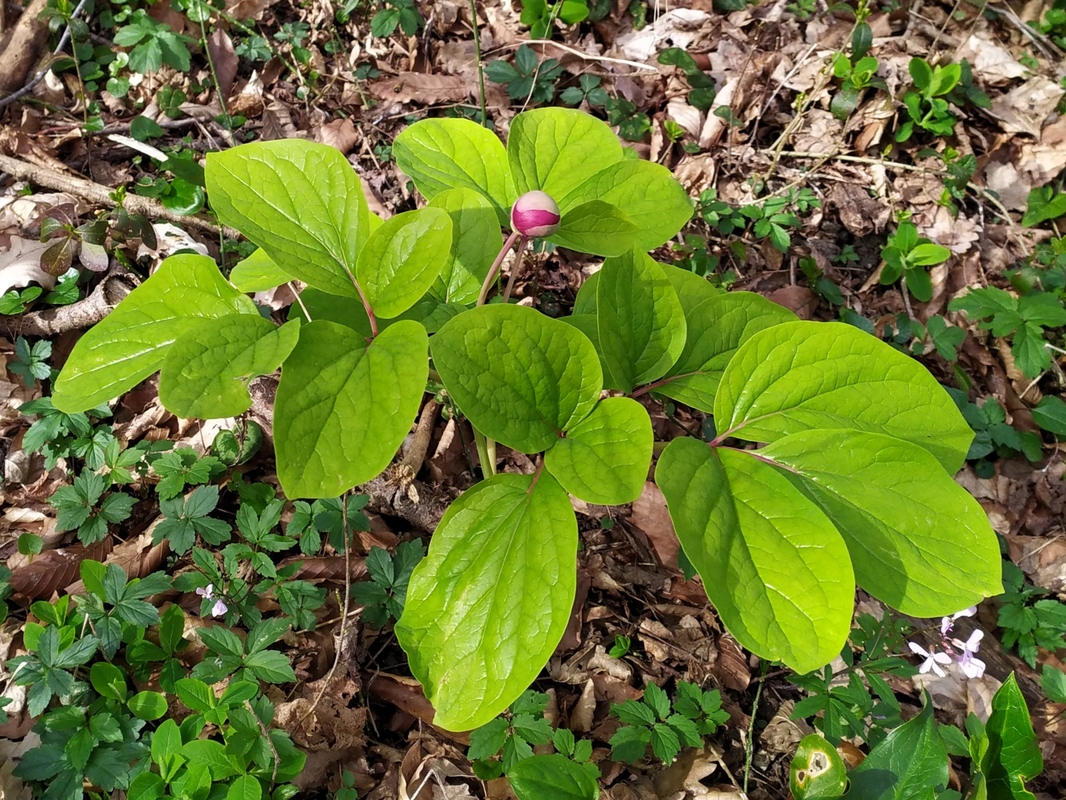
(100, 194)
(77, 316)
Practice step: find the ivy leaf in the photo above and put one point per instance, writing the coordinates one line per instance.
(918, 541)
(403, 258)
(605, 457)
(130, 343)
(809, 375)
(519, 376)
(469, 645)
(205, 373)
(441, 154)
(343, 406)
(772, 563)
(640, 321)
(309, 214)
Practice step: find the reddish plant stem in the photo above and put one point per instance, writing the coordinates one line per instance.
(517, 268)
(495, 268)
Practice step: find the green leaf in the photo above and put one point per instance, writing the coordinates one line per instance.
(808, 375)
(605, 457)
(519, 376)
(246, 787)
(817, 771)
(325, 307)
(1053, 682)
(441, 154)
(257, 273)
(148, 705)
(640, 321)
(918, 541)
(130, 343)
(551, 777)
(212, 755)
(558, 149)
(343, 406)
(108, 680)
(301, 202)
(647, 193)
(205, 373)
(403, 258)
(910, 762)
(487, 606)
(928, 254)
(596, 227)
(772, 563)
(629, 743)
(1050, 414)
(196, 694)
(716, 329)
(1013, 755)
(270, 666)
(476, 240)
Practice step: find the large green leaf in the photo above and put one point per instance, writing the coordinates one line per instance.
(808, 375)
(553, 777)
(520, 377)
(640, 321)
(596, 227)
(403, 258)
(440, 154)
(605, 457)
(918, 541)
(558, 149)
(910, 763)
(344, 406)
(300, 201)
(646, 192)
(326, 307)
(487, 606)
(1013, 755)
(772, 563)
(205, 373)
(476, 240)
(257, 273)
(716, 329)
(691, 289)
(130, 343)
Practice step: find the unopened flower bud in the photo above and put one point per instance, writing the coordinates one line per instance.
(535, 214)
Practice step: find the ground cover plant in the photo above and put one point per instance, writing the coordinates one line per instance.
(675, 441)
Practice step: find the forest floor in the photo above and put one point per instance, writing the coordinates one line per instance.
(797, 203)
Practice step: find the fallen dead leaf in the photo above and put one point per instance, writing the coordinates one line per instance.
(1026, 108)
(417, 87)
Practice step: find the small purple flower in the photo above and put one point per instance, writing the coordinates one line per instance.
(932, 660)
(971, 667)
(535, 214)
(219, 608)
(947, 623)
(206, 593)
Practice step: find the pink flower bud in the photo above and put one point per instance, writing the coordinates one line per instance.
(535, 214)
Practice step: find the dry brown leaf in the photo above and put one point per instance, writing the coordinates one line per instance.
(1047, 158)
(651, 517)
(861, 214)
(339, 133)
(56, 569)
(224, 60)
(1025, 108)
(417, 87)
(20, 265)
(990, 62)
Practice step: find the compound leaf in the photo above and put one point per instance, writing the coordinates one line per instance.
(130, 343)
(640, 321)
(440, 154)
(343, 406)
(605, 457)
(487, 606)
(520, 377)
(205, 373)
(918, 541)
(772, 563)
(718, 326)
(403, 258)
(807, 375)
(301, 202)
(476, 240)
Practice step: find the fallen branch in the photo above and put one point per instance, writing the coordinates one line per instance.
(77, 316)
(101, 195)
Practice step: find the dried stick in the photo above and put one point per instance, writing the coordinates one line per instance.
(82, 314)
(100, 194)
